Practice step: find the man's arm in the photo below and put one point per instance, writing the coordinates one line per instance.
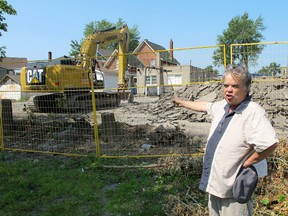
(199, 106)
(256, 157)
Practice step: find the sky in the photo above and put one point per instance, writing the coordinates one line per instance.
(41, 26)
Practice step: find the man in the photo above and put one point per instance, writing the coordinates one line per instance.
(240, 136)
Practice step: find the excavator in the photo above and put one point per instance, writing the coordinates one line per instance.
(66, 84)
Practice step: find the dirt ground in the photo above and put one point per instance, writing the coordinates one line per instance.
(147, 123)
(151, 126)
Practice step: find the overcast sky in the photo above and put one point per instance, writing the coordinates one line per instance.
(50, 25)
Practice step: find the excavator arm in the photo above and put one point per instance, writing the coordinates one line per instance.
(61, 84)
(101, 38)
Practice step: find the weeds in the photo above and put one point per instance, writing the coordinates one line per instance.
(55, 185)
(272, 195)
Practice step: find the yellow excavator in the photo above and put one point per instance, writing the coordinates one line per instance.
(65, 83)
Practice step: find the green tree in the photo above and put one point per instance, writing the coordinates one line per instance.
(5, 8)
(75, 48)
(272, 69)
(210, 69)
(101, 25)
(263, 71)
(241, 30)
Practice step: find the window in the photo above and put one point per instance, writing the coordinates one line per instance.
(148, 79)
(151, 80)
(152, 63)
(154, 80)
(11, 72)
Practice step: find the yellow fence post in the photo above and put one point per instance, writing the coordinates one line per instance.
(151, 120)
(1, 130)
(96, 135)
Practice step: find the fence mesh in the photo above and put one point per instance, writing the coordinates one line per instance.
(142, 121)
(263, 59)
(268, 64)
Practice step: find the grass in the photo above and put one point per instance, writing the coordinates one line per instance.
(54, 185)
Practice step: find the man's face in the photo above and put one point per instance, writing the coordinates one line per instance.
(234, 90)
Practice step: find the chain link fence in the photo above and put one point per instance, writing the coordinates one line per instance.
(140, 121)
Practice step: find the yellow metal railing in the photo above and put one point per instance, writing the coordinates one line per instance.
(150, 118)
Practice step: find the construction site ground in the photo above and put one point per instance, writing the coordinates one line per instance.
(147, 120)
(147, 116)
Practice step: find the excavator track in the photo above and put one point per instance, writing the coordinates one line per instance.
(42, 103)
(76, 102)
(31, 106)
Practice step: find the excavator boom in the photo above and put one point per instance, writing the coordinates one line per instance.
(66, 80)
(102, 38)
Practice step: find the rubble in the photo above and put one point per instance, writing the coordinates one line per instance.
(272, 95)
(154, 121)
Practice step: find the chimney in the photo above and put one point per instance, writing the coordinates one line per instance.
(171, 49)
(49, 56)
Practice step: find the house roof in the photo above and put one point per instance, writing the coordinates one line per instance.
(13, 63)
(152, 46)
(105, 53)
(164, 56)
(111, 57)
(3, 69)
(15, 78)
(133, 61)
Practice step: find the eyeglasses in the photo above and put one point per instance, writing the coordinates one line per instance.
(236, 69)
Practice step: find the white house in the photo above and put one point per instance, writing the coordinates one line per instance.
(10, 87)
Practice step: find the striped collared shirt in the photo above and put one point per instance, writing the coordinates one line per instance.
(232, 139)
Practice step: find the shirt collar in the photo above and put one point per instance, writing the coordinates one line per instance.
(241, 107)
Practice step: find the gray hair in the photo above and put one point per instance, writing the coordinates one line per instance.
(239, 72)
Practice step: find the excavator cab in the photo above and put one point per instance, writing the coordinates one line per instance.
(66, 84)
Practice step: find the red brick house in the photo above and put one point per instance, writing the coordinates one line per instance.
(146, 55)
(111, 68)
(154, 58)
(154, 55)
